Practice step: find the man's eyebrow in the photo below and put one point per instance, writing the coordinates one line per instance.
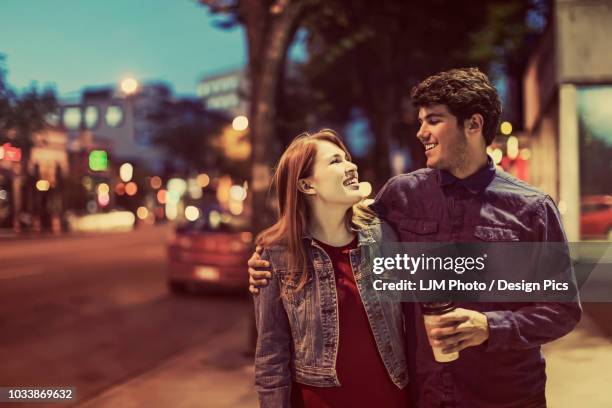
(430, 115)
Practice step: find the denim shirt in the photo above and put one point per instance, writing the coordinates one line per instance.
(508, 370)
(298, 332)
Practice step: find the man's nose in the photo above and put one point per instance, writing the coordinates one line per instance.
(422, 133)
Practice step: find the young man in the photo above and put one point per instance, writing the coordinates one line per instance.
(462, 197)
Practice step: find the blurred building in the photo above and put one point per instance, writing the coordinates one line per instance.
(34, 195)
(10, 182)
(49, 154)
(568, 115)
(225, 92)
(122, 120)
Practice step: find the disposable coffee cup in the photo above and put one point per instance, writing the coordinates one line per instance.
(431, 310)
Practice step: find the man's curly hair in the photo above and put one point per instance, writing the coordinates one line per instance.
(465, 91)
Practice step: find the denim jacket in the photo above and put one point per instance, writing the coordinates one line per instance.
(298, 332)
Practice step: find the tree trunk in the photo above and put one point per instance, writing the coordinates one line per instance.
(268, 44)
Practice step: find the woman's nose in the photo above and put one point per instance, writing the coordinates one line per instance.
(351, 167)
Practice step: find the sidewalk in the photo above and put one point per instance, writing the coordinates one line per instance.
(578, 368)
(216, 375)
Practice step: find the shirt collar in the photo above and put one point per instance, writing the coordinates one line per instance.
(475, 183)
(364, 236)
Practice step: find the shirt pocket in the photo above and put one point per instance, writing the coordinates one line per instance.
(411, 229)
(495, 234)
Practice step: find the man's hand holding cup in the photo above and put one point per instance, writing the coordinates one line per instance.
(456, 330)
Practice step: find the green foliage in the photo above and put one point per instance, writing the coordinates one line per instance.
(367, 54)
(189, 133)
(24, 114)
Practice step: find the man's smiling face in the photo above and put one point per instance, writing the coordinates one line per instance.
(444, 139)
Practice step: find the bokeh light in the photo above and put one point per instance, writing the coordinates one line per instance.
(120, 189)
(365, 188)
(131, 188)
(240, 123)
(126, 171)
(103, 200)
(237, 193)
(129, 85)
(203, 180)
(525, 154)
(156, 182)
(192, 213)
(236, 207)
(42, 185)
(142, 212)
(171, 211)
(512, 147)
(214, 219)
(497, 155)
(103, 189)
(161, 196)
(506, 128)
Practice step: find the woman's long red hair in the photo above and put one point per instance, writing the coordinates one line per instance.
(296, 163)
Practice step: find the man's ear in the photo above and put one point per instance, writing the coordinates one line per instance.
(474, 123)
(305, 187)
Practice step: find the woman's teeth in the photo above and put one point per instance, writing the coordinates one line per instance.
(349, 182)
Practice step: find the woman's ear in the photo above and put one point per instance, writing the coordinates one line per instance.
(305, 187)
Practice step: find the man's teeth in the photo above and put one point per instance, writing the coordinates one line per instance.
(429, 146)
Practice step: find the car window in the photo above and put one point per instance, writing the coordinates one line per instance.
(589, 208)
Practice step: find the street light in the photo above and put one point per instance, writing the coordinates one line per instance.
(129, 86)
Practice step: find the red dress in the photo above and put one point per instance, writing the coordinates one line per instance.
(363, 377)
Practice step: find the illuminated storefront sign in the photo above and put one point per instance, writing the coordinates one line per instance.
(98, 160)
(10, 153)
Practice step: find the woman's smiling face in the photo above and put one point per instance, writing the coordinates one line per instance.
(334, 178)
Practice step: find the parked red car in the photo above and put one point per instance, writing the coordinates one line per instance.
(596, 217)
(200, 255)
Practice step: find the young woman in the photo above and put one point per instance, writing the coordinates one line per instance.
(324, 340)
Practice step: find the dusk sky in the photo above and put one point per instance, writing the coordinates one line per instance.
(75, 43)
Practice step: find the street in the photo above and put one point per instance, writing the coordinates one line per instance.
(93, 312)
